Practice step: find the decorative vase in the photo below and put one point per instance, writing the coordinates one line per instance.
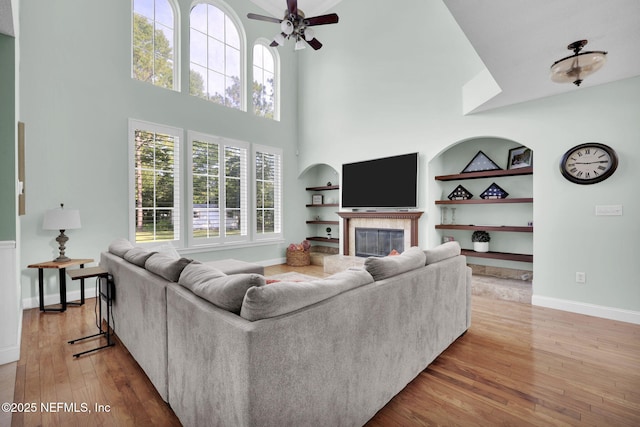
(481, 246)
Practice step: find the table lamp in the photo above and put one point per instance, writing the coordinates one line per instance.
(61, 219)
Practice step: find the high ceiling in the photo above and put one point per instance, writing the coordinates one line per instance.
(518, 40)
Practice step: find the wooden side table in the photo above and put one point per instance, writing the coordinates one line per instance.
(62, 281)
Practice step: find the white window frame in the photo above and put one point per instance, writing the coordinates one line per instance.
(276, 75)
(177, 134)
(227, 10)
(278, 221)
(176, 44)
(223, 238)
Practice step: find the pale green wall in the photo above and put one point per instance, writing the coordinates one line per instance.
(76, 98)
(7, 139)
(375, 91)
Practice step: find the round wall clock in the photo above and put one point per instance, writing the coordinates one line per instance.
(589, 163)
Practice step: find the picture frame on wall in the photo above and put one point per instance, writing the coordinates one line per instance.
(520, 157)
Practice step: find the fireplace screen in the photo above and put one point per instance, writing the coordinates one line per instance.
(378, 241)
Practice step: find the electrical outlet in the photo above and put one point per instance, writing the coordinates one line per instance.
(581, 277)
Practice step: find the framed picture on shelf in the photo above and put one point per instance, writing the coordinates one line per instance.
(520, 157)
(316, 199)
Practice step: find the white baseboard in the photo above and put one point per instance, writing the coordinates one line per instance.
(612, 313)
(270, 262)
(33, 302)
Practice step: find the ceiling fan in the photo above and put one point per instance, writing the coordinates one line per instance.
(295, 25)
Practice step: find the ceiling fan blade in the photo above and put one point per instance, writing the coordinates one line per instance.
(263, 18)
(331, 18)
(315, 43)
(292, 7)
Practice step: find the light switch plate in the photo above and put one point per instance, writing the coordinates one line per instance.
(608, 210)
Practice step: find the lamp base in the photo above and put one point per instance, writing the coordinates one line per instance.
(62, 240)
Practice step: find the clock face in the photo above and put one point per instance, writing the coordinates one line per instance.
(589, 163)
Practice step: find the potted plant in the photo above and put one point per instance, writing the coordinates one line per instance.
(480, 241)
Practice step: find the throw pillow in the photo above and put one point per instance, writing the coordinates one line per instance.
(442, 252)
(284, 297)
(138, 256)
(166, 266)
(227, 292)
(120, 247)
(389, 266)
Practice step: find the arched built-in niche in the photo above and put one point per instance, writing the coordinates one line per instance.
(321, 183)
(512, 249)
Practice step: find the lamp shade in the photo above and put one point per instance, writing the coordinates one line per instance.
(61, 219)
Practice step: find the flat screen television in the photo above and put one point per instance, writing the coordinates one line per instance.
(389, 182)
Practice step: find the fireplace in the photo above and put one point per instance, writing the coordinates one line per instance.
(407, 221)
(378, 241)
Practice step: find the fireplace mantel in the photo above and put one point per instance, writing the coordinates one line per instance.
(412, 216)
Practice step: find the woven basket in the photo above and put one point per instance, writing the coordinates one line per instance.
(298, 258)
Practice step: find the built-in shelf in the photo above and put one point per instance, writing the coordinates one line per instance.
(513, 228)
(323, 239)
(486, 174)
(498, 255)
(323, 205)
(483, 201)
(323, 188)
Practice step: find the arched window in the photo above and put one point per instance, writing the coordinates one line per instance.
(155, 37)
(217, 55)
(266, 79)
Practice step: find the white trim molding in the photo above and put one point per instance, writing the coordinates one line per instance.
(612, 313)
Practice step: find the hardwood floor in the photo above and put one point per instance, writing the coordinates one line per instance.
(517, 365)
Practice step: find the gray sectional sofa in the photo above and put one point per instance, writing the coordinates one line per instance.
(232, 350)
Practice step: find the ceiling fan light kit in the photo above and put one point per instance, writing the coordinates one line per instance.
(295, 26)
(574, 68)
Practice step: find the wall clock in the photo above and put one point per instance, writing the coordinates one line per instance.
(589, 163)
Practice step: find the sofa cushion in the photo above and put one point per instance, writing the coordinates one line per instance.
(166, 249)
(226, 292)
(196, 273)
(166, 266)
(442, 252)
(284, 297)
(138, 256)
(120, 247)
(389, 266)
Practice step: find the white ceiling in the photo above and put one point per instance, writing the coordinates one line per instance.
(518, 40)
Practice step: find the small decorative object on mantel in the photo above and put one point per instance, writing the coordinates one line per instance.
(316, 199)
(494, 192)
(298, 254)
(480, 241)
(480, 163)
(460, 193)
(520, 157)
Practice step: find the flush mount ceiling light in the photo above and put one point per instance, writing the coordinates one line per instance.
(574, 68)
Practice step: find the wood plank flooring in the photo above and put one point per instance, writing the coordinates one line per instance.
(517, 365)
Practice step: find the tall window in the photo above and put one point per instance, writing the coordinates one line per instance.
(217, 49)
(265, 81)
(155, 34)
(155, 182)
(268, 191)
(219, 183)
